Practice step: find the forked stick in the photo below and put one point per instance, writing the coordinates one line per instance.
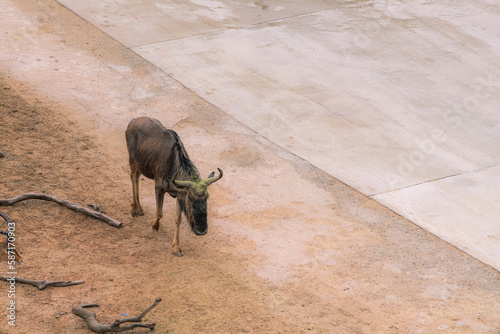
(95, 326)
(70, 205)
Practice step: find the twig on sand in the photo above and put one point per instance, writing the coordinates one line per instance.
(70, 205)
(95, 326)
(41, 284)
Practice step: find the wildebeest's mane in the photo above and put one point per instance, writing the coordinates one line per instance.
(186, 166)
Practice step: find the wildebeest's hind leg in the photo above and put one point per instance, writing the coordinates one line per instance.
(177, 251)
(136, 204)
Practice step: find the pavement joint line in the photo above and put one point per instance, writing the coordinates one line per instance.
(434, 180)
(217, 31)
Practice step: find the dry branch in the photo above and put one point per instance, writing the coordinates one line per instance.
(95, 326)
(41, 284)
(70, 205)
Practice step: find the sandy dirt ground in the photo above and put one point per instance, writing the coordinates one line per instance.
(289, 249)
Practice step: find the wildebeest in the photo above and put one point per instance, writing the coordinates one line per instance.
(158, 153)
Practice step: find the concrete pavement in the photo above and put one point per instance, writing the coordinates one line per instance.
(398, 100)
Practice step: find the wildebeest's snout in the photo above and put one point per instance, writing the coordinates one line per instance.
(199, 224)
(200, 231)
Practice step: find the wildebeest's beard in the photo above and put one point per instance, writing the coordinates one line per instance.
(197, 215)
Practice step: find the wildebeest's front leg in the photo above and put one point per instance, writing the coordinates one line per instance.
(136, 204)
(177, 251)
(159, 207)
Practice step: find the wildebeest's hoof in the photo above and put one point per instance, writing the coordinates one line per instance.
(178, 253)
(137, 213)
(155, 225)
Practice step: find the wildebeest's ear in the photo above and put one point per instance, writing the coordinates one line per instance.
(211, 179)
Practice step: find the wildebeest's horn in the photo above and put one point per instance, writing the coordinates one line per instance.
(181, 184)
(184, 184)
(213, 179)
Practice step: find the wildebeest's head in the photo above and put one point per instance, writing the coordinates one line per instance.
(193, 200)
